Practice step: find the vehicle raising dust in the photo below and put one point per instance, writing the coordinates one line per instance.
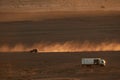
(34, 51)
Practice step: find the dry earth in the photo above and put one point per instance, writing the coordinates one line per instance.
(58, 27)
(58, 5)
(57, 66)
(30, 28)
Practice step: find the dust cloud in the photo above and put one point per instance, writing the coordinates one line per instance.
(70, 46)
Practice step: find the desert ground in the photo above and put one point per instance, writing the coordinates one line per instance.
(47, 28)
(29, 28)
(57, 66)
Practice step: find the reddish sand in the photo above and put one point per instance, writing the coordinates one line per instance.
(57, 66)
(58, 27)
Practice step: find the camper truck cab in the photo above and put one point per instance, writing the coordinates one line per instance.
(93, 61)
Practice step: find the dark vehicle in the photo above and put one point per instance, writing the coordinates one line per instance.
(34, 51)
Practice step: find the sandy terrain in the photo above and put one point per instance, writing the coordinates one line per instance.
(58, 27)
(58, 5)
(57, 66)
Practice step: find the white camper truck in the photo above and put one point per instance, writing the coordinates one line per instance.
(93, 61)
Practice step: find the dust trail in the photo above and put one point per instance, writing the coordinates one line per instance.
(70, 46)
